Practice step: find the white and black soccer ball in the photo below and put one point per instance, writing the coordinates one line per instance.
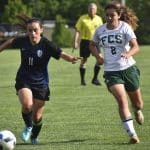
(7, 140)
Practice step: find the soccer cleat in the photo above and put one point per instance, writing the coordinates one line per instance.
(134, 140)
(139, 117)
(96, 82)
(26, 133)
(34, 141)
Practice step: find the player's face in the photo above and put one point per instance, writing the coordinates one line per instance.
(34, 31)
(112, 17)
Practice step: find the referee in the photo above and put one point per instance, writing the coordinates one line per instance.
(84, 29)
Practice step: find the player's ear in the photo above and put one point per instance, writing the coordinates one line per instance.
(119, 16)
(42, 29)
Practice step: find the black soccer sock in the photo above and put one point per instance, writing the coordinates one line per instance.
(27, 119)
(36, 129)
(96, 71)
(82, 73)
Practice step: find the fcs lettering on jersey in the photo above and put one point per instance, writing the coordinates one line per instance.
(112, 39)
(39, 53)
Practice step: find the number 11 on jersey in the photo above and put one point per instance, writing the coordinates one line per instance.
(30, 61)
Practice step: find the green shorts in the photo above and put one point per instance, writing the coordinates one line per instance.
(129, 77)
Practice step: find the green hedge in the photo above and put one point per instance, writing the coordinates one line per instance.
(62, 35)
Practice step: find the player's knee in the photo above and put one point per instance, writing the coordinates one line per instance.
(27, 108)
(37, 117)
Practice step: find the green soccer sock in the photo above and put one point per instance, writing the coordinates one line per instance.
(36, 129)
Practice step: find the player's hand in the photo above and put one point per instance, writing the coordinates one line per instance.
(75, 59)
(125, 55)
(75, 45)
(100, 60)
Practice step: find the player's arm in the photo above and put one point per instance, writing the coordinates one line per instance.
(69, 58)
(6, 44)
(94, 51)
(133, 50)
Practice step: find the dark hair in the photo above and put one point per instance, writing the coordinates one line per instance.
(35, 20)
(126, 14)
(24, 20)
(112, 6)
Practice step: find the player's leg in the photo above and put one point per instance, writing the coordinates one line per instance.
(95, 79)
(132, 77)
(119, 93)
(84, 53)
(83, 70)
(137, 103)
(39, 98)
(97, 68)
(25, 97)
(38, 108)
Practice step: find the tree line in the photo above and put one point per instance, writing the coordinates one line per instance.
(70, 10)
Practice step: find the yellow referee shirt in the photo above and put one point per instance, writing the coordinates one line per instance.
(87, 26)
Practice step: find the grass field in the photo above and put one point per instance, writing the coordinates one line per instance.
(76, 117)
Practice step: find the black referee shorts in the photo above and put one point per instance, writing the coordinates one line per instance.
(84, 48)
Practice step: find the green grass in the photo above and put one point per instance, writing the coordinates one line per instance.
(76, 117)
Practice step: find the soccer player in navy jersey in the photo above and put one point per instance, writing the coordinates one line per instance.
(32, 82)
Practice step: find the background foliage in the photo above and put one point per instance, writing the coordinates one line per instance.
(61, 35)
(70, 10)
(141, 7)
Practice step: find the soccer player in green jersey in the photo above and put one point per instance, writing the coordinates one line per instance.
(119, 43)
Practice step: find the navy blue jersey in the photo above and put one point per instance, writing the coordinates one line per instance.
(34, 61)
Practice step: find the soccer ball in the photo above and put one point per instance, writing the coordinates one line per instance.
(7, 140)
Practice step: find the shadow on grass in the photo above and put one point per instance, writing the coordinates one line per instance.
(57, 142)
(90, 142)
